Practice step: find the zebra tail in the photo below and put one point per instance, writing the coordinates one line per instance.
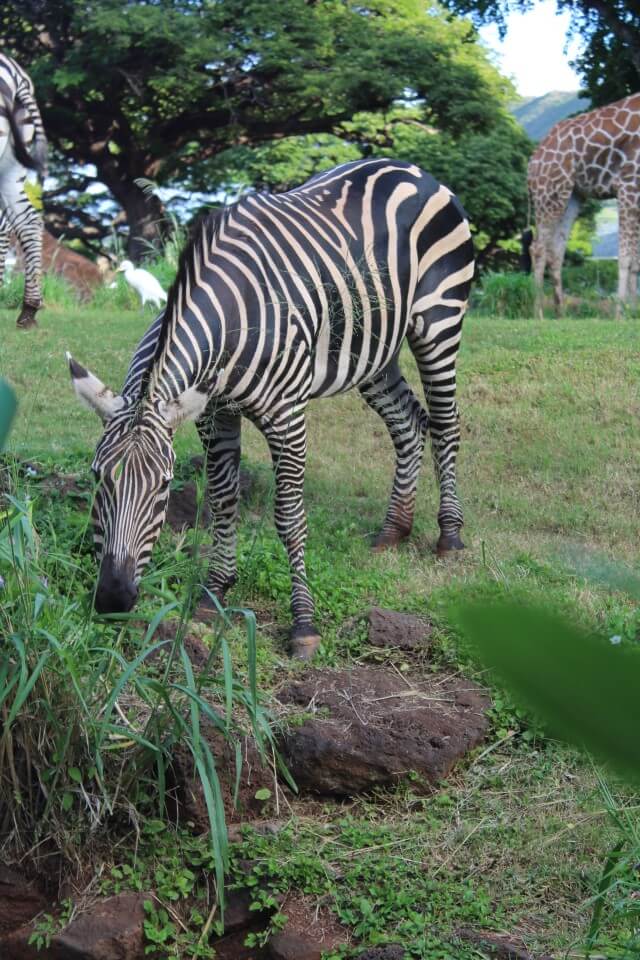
(36, 161)
(39, 155)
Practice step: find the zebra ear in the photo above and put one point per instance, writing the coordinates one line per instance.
(92, 392)
(190, 405)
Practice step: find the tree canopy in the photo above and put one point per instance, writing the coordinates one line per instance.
(182, 90)
(610, 30)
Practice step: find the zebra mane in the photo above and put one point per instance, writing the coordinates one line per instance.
(201, 234)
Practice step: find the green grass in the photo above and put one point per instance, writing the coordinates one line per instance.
(548, 469)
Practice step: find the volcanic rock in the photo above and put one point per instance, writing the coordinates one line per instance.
(370, 727)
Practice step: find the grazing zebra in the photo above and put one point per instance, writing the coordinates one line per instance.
(23, 147)
(280, 299)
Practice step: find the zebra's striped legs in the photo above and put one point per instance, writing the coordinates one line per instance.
(436, 361)
(220, 436)
(406, 420)
(26, 223)
(4, 243)
(287, 439)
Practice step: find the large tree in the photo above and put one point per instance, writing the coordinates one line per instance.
(610, 29)
(154, 89)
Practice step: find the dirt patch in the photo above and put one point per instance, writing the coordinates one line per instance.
(370, 727)
(182, 511)
(391, 952)
(183, 503)
(388, 628)
(311, 930)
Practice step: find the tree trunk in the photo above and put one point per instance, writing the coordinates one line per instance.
(144, 211)
(146, 219)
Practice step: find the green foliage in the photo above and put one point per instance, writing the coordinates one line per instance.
(87, 702)
(585, 688)
(164, 88)
(509, 295)
(7, 410)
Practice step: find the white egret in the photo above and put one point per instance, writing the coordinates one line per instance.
(144, 283)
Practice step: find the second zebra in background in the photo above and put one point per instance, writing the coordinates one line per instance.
(23, 147)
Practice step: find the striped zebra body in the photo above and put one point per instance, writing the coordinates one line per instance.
(280, 300)
(23, 147)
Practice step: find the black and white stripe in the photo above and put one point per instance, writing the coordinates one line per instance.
(23, 147)
(281, 299)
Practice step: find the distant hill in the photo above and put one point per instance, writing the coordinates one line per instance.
(538, 114)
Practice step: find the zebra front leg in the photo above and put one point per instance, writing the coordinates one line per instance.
(406, 420)
(220, 436)
(4, 244)
(436, 360)
(288, 446)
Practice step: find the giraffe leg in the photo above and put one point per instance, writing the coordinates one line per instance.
(558, 246)
(287, 439)
(629, 233)
(435, 355)
(4, 243)
(220, 436)
(539, 255)
(391, 397)
(25, 222)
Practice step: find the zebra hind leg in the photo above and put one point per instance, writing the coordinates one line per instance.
(220, 436)
(26, 224)
(393, 400)
(436, 361)
(287, 441)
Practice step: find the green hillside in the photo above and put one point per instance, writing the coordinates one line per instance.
(538, 114)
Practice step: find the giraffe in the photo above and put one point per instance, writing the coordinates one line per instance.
(596, 154)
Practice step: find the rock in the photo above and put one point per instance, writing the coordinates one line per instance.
(238, 914)
(498, 946)
(293, 946)
(110, 930)
(388, 628)
(371, 727)
(20, 902)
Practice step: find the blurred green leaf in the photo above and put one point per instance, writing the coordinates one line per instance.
(8, 406)
(587, 690)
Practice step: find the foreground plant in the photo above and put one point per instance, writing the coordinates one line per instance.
(585, 688)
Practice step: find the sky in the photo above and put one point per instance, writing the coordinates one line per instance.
(533, 50)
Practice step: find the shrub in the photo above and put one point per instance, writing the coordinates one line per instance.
(509, 295)
(90, 716)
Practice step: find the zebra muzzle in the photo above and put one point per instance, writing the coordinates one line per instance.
(116, 591)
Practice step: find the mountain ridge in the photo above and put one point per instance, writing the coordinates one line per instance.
(538, 114)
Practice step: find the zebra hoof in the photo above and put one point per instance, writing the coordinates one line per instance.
(304, 642)
(448, 544)
(389, 540)
(27, 318)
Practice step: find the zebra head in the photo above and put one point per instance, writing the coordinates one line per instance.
(133, 466)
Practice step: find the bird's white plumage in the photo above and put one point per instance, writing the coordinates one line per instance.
(144, 283)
